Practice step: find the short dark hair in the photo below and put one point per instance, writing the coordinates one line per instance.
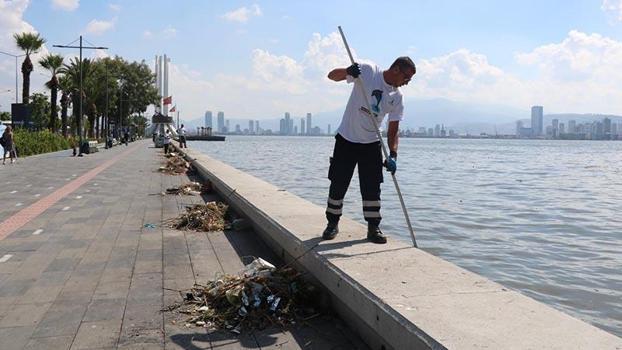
(404, 62)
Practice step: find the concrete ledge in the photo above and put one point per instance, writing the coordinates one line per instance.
(396, 296)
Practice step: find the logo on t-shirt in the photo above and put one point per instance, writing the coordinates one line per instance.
(378, 95)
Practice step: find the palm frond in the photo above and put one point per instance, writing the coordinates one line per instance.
(52, 62)
(29, 42)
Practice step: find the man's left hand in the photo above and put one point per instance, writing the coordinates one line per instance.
(391, 165)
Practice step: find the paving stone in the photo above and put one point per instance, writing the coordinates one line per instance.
(15, 338)
(40, 294)
(56, 343)
(117, 289)
(63, 264)
(99, 334)
(24, 315)
(14, 288)
(60, 319)
(141, 338)
(105, 310)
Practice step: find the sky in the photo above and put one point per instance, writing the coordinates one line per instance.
(259, 59)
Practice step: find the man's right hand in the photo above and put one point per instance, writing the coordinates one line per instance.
(354, 70)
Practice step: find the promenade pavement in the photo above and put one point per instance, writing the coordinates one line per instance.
(80, 269)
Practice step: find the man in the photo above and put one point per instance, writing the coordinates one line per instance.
(167, 140)
(182, 136)
(356, 142)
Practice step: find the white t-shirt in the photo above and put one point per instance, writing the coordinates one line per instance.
(167, 138)
(356, 125)
(182, 131)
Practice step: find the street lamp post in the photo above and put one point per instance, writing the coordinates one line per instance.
(106, 121)
(16, 57)
(81, 92)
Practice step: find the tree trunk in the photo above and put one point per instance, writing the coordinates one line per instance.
(64, 103)
(53, 98)
(76, 112)
(92, 116)
(26, 69)
(97, 119)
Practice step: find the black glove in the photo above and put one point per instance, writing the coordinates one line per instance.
(354, 70)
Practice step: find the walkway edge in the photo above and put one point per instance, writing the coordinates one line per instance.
(395, 296)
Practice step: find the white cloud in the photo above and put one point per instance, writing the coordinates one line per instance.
(166, 33)
(464, 76)
(243, 14)
(67, 5)
(578, 74)
(97, 27)
(115, 7)
(581, 73)
(100, 53)
(169, 32)
(325, 53)
(275, 84)
(613, 7)
(11, 22)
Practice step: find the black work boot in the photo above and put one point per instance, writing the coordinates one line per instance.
(331, 230)
(375, 235)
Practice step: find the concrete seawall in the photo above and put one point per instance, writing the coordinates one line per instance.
(396, 296)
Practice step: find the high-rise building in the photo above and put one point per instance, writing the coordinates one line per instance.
(227, 126)
(309, 125)
(607, 126)
(208, 119)
(437, 130)
(328, 132)
(221, 121)
(555, 129)
(237, 129)
(257, 130)
(251, 125)
(562, 128)
(286, 125)
(572, 126)
(302, 126)
(537, 119)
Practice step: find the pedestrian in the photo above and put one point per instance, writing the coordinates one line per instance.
(8, 144)
(182, 136)
(357, 143)
(167, 140)
(126, 136)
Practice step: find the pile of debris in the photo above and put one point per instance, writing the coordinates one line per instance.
(190, 189)
(175, 165)
(201, 217)
(258, 297)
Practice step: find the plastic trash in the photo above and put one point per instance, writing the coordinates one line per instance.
(258, 267)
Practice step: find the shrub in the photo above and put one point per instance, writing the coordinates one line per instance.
(29, 143)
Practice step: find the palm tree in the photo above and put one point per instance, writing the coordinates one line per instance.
(29, 43)
(52, 63)
(65, 100)
(72, 71)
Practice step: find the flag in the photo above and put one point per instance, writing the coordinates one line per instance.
(167, 100)
(173, 109)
